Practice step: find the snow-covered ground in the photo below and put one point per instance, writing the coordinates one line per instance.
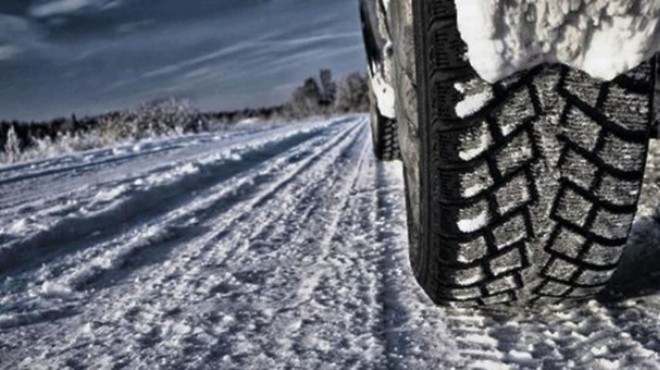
(265, 248)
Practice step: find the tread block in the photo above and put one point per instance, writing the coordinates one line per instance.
(576, 84)
(474, 142)
(465, 277)
(601, 255)
(514, 194)
(513, 113)
(633, 117)
(623, 155)
(501, 285)
(461, 304)
(515, 154)
(568, 244)
(578, 169)
(476, 181)
(612, 226)
(591, 277)
(462, 293)
(641, 75)
(473, 250)
(583, 292)
(499, 298)
(474, 217)
(554, 289)
(511, 232)
(560, 269)
(507, 262)
(581, 129)
(617, 191)
(548, 301)
(572, 207)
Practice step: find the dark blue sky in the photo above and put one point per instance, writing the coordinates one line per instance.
(59, 57)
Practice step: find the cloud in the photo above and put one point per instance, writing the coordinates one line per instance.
(16, 36)
(62, 7)
(8, 51)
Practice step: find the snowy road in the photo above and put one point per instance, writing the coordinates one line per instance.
(263, 248)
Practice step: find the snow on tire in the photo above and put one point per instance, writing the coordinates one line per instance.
(525, 194)
(384, 135)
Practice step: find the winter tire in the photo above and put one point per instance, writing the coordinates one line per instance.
(383, 134)
(383, 129)
(528, 198)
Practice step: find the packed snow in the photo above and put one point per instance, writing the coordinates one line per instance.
(384, 93)
(604, 38)
(471, 104)
(280, 247)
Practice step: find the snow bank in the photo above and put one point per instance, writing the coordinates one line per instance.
(604, 38)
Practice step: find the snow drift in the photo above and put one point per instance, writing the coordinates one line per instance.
(604, 38)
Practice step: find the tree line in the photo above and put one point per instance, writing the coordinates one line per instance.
(320, 95)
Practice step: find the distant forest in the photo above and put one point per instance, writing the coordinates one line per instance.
(317, 96)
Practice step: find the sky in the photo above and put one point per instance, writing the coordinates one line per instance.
(83, 57)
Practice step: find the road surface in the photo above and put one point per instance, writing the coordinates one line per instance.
(278, 247)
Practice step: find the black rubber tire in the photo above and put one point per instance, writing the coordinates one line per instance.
(383, 129)
(528, 200)
(383, 134)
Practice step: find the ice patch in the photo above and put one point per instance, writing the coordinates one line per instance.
(604, 38)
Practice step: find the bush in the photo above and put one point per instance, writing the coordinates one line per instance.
(351, 94)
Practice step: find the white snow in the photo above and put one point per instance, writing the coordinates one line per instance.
(54, 290)
(473, 190)
(473, 224)
(471, 104)
(385, 96)
(604, 38)
(281, 247)
(484, 142)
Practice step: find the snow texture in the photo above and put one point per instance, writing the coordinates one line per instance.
(280, 247)
(473, 103)
(604, 38)
(385, 96)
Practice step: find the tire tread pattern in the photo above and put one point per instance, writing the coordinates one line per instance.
(520, 202)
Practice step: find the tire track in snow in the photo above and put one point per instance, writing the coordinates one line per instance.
(244, 196)
(72, 182)
(192, 258)
(412, 329)
(158, 198)
(273, 274)
(164, 229)
(230, 242)
(297, 262)
(123, 153)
